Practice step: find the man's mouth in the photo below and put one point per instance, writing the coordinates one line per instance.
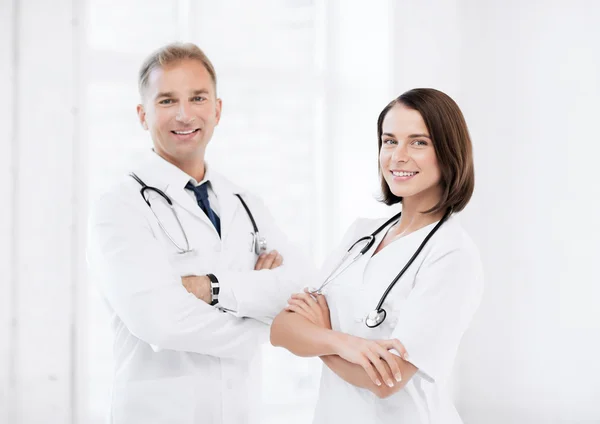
(186, 132)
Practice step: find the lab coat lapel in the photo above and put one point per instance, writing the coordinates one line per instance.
(183, 199)
(229, 204)
(366, 259)
(157, 172)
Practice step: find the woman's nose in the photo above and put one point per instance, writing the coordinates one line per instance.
(400, 154)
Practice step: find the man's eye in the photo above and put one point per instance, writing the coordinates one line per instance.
(166, 102)
(198, 99)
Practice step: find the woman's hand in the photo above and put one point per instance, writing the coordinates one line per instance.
(373, 355)
(313, 307)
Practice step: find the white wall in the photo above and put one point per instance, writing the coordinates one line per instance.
(40, 231)
(7, 73)
(529, 89)
(358, 66)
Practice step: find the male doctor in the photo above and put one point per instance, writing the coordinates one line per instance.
(189, 296)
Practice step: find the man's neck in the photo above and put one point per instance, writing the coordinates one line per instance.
(195, 169)
(194, 166)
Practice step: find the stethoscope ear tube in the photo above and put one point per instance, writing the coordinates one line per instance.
(249, 213)
(370, 239)
(377, 316)
(154, 189)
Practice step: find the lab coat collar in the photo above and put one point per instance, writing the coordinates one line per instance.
(164, 174)
(159, 173)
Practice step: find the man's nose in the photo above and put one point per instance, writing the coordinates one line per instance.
(184, 113)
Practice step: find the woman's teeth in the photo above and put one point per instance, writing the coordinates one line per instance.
(403, 174)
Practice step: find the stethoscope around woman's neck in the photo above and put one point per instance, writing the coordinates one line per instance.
(378, 315)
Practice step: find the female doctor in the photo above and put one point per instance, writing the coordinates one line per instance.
(387, 323)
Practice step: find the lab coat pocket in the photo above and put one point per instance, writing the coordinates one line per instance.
(157, 401)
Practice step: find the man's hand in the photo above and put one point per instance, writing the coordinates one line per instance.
(199, 286)
(269, 260)
(313, 307)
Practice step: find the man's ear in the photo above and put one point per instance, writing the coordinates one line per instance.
(219, 106)
(142, 116)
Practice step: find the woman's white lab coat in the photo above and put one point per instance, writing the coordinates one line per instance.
(428, 310)
(177, 359)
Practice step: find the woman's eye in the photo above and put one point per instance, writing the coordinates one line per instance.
(420, 142)
(389, 141)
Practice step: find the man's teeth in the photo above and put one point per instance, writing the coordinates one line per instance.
(184, 132)
(403, 174)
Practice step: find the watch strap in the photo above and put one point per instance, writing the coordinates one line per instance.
(214, 288)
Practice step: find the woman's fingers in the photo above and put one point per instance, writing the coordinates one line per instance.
(307, 297)
(325, 314)
(322, 304)
(390, 360)
(321, 301)
(380, 367)
(394, 344)
(371, 372)
(302, 305)
(296, 309)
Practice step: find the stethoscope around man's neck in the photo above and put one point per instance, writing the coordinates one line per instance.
(378, 315)
(259, 243)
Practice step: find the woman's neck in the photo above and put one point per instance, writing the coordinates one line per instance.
(413, 218)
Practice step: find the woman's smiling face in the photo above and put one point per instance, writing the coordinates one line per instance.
(407, 156)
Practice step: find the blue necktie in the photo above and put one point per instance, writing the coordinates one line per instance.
(201, 193)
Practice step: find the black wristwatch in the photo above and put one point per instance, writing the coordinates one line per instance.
(214, 289)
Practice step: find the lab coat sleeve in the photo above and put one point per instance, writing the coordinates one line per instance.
(263, 294)
(146, 293)
(433, 318)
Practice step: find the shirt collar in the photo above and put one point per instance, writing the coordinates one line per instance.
(158, 172)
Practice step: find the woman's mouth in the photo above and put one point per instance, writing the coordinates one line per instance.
(403, 175)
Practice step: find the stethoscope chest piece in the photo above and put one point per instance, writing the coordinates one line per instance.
(375, 318)
(259, 243)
